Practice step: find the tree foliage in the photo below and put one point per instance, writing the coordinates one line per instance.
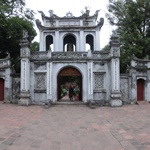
(132, 19)
(106, 48)
(14, 19)
(34, 46)
(11, 8)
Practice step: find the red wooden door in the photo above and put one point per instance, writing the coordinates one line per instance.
(140, 89)
(1, 89)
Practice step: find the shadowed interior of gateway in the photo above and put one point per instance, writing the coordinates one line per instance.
(64, 82)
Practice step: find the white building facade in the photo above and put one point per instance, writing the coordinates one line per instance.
(63, 59)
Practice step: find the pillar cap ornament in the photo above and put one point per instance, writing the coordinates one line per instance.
(25, 51)
(24, 42)
(115, 45)
(115, 42)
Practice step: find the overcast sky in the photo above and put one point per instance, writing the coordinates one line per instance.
(61, 7)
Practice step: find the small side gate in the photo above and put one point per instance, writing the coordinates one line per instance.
(1, 89)
(140, 89)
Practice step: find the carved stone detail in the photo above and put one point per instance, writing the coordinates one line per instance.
(40, 81)
(69, 14)
(16, 88)
(40, 66)
(4, 63)
(101, 55)
(24, 42)
(99, 81)
(25, 53)
(124, 88)
(39, 55)
(69, 55)
(115, 39)
(116, 52)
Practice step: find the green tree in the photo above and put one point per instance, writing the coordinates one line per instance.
(132, 19)
(14, 19)
(34, 46)
(106, 48)
(11, 8)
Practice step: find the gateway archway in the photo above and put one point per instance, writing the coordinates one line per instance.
(67, 77)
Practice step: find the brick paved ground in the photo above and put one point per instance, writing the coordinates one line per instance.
(73, 127)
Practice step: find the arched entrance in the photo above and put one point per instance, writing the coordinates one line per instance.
(69, 43)
(140, 89)
(1, 89)
(69, 76)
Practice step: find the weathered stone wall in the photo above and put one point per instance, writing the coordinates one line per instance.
(5, 71)
(15, 88)
(124, 88)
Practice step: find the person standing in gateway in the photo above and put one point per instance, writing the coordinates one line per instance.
(71, 93)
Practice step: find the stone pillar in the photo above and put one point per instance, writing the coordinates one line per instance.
(90, 80)
(115, 71)
(82, 41)
(6, 71)
(49, 78)
(57, 42)
(133, 80)
(148, 82)
(25, 71)
(97, 41)
(81, 22)
(41, 41)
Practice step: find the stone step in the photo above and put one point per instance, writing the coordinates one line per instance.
(70, 103)
(143, 102)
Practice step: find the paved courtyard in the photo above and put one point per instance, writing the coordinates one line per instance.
(74, 127)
